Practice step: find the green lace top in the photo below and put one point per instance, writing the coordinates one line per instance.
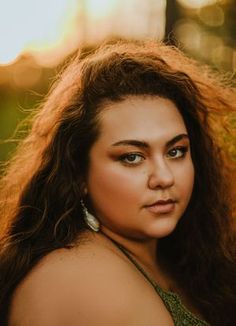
(180, 314)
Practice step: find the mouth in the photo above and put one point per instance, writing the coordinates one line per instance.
(162, 206)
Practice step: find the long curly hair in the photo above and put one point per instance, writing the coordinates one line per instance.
(42, 186)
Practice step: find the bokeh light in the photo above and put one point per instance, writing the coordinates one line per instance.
(189, 34)
(195, 4)
(212, 15)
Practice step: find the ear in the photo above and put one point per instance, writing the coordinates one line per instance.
(82, 186)
(84, 189)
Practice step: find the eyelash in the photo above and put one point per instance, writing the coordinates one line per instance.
(123, 158)
(182, 149)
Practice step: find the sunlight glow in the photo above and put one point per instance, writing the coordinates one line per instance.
(135, 19)
(33, 25)
(100, 8)
(49, 30)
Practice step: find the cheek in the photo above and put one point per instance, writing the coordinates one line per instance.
(186, 180)
(114, 184)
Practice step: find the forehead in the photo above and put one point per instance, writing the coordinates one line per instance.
(141, 117)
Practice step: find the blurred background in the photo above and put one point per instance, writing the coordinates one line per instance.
(37, 37)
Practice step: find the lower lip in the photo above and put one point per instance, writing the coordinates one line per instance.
(161, 208)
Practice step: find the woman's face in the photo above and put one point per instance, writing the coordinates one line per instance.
(141, 158)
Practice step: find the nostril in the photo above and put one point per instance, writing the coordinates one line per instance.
(162, 180)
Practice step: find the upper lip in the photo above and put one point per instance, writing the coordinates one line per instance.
(162, 202)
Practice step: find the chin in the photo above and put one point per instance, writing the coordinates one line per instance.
(162, 229)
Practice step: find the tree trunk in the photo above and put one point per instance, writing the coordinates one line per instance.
(172, 16)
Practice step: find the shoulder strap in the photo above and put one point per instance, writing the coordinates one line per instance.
(131, 258)
(172, 301)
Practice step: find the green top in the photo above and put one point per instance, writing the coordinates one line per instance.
(180, 314)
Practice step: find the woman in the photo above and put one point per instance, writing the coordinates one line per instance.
(117, 209)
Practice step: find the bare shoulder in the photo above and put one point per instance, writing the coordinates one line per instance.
(86, 285)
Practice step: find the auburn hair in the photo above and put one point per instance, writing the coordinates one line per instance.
(41, 189)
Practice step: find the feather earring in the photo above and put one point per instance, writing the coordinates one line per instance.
(89, 219)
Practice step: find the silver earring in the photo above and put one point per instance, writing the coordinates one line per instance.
(89, 219)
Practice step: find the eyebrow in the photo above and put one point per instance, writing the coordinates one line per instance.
(143, 144)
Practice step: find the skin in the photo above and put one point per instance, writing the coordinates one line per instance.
(124, 177)
(92, 284)
(63, 289)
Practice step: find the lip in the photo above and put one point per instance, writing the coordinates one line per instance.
(162, 206)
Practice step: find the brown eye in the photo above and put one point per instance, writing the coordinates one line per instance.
(177, 152)
(131, 158)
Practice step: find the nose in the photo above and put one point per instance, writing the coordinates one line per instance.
(160, 175)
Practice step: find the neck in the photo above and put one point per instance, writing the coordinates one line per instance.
(144, 253)
(144, 250)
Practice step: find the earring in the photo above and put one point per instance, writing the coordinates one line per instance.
(89, 219)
